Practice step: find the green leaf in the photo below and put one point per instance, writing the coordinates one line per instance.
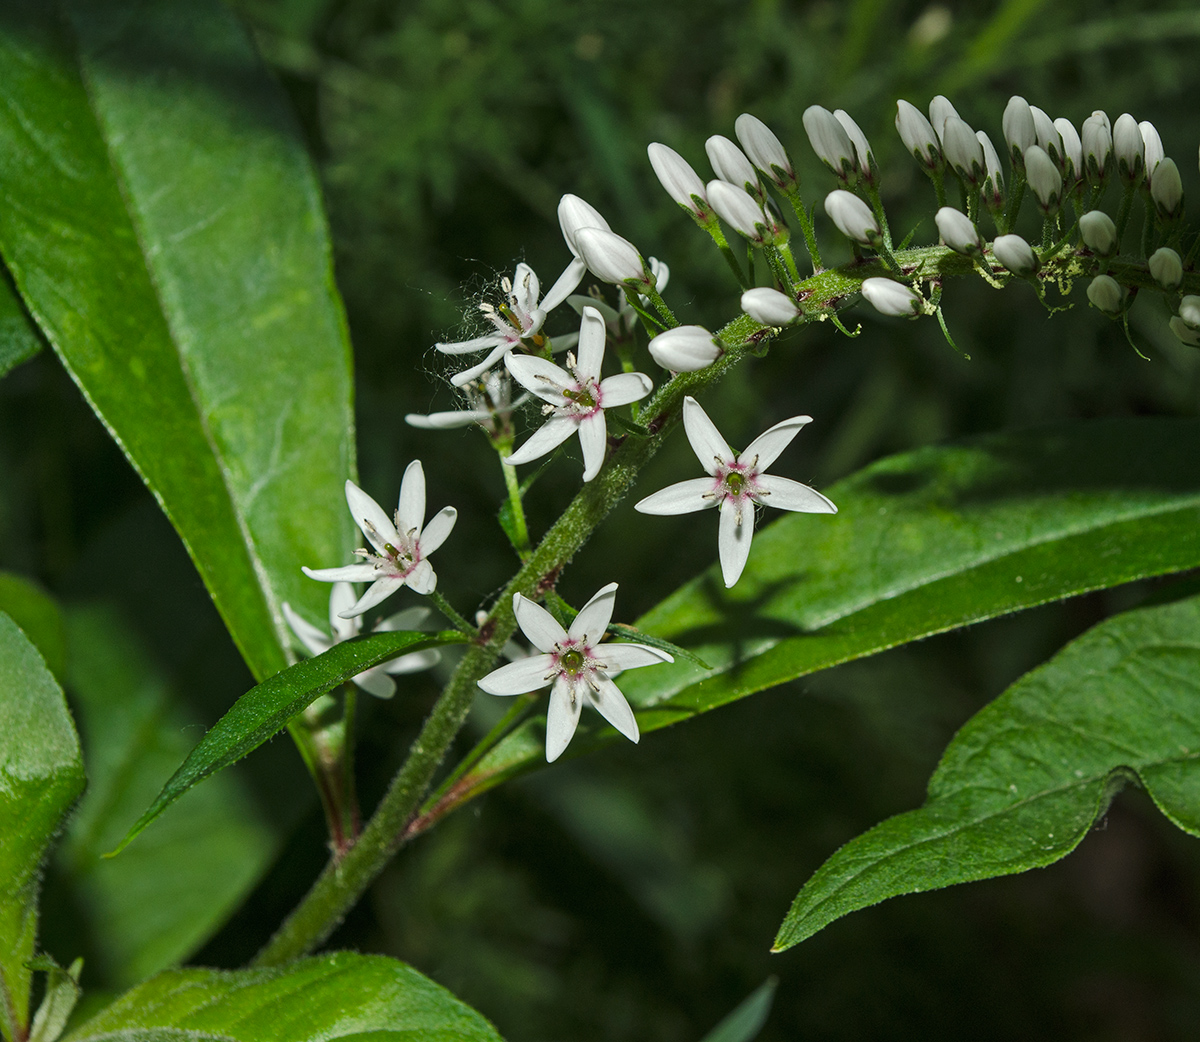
(264, 711)
(19, 340)
(163, 226)
(41, 774)
(62, 992)
(923, 543)
(156, 905)
(37, 614)
(1024, 780)
(747, 1020)
(342, 996)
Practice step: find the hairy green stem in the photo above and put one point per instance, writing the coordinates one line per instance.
(810, 240)
(447, 609)
(513, 486)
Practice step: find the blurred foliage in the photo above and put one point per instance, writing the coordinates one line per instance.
(634, 895)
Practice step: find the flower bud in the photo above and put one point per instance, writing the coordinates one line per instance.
(853, 217)
(963, 150)
(611, 258)
(730, 164)
(1152, 145)
(1098, 232)
(770, 307)
(831, 142)
(862, 148)
(993, 177)
(1096, 141)
(891, 298)
(918, 136)
(1015, 254)
(1128, 148)
(1183, 332)
(958, 232)
(1189, 310)
(740, 210)
(574, 214)
(678, 178)
(765, 150)
(1044, 178)
(685, 349)
(1107, 295)
(1048, 138)
(1072, 157)
(1019, 131)
(1166, 189)
(940, 110)
(1166, 268)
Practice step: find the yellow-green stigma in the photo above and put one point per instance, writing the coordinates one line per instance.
(735, 483)
(582, 397)
(571, 661)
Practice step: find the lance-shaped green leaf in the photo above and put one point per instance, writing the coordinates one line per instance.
(264, 711)
(340, 996)
(162, 223)
(922, 543)
(1024, 780)
(19, 340)
(41, 774)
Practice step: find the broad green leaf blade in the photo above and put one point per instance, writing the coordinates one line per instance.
(264, 711)
(165, 897)
(923, 542)
(341, 996)
(1024, 780)
(38, 616)
(19, 340)
(163, 226)
(41, 774)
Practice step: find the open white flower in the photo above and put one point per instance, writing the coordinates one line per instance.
(402, 548)
(576, 664)
(489, 401)
(518, 318)
(376, 680)
(735, 484)
(576, 396)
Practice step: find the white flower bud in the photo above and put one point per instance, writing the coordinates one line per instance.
(1152, 145)
(958, 232)
(1184, 332)
(1048, 138)
(831, 142)
(1044, 178)
(730, 164)
(918, 136)
(1128, 148)
(1096, 141)
(609, 257)
(940, 110)
(993, 176)
(1098, 232)
(1166, 189)
(1015, 254)
(765, 150)
(1107, 295)
(1019, 131)
(862, 148)
(1166, 268)
(685, 349)
(1072, 157)
(1189, 310)
(770, 307)
(853, 217)
(574, 214)
(681, 182)
(891, 298)
(740, 210)
(963, 150)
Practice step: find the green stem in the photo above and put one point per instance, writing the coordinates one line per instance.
(447, 609)
(718, 236)
(513, 486)
(661, 305)
(880, 214)
(810, 239)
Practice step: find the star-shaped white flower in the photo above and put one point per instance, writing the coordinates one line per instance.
(375, 680)
(489, 401)
(735, 484)
(576, 664)
(518, 318)
(577, 398)
(402, 547)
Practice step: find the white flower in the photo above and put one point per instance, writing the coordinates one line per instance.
(1098, 233)
(1153, 147)
(1183, 332)
(765, 150)
(743, 212)
(862, 148)
(1166, 267)
(1096, 143)
(735, 484)
(489, 400)
(1019, 131)
(574, 214)
(940, 110)
(611, 258)
(622, 319)
(891, 298)
(685, 349)
(577, 399)
(1166, 189)
(831, 143)
(1072, 157)
(958, 232)
(918, 136)
(1107, 295)
(402, 548)
(1129, 148)
(518, 318)
(375, 680)
(963, 150)
(853, 217)
(770, 307)
(993, 176)
(576, 664)
(676, 175)
(730, 164)
(1189, 310)
(1015, 254)
(1049, 140)
(1044, 178)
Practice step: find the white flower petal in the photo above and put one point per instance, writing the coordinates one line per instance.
(438, 529)
(379, 590)
(594, 617)
(593, 439)
(786, 494)
(542, 628)
(476, 371)
(422, 579)
(465, 347)
(370, 517)
(540, 376)
(310, 636)
(768, 445)
(624, 388)
(350, 573)
(340, 598)
(684, 497)
(607, 698)
(578, 302)
(410, 513)
(562, 718)
(549, 436)
(443, 421)
(733, 540)
(409, 619)
(631, 656)
(517, 678)
(525, 287)
(591, 343)
(566, 284)
(705, 439)
(376, 682)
